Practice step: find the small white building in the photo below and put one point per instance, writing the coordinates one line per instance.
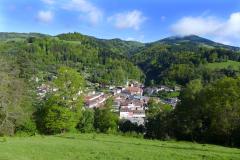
(132, 110)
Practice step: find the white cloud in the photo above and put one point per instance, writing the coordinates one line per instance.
(45, 16)
(93, 13)
(196, 25)
(227, 31)
(232, 26)
(50, 2)
(132, 19)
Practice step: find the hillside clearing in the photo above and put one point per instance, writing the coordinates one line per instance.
(222, 65)
(99, 146)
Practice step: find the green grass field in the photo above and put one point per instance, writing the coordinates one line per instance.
(108, 147)
(221, 65)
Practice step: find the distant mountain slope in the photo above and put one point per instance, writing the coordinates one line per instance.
(170, 60)
(101, 61)
(117, 46)
(12, 35)
(194, 40)
(124, 47)
(181, 59)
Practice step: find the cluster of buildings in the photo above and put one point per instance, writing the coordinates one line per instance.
(128, 101)
(95, 100)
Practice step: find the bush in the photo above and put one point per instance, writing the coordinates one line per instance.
(105, 121)
(127, 126)
(86, 122)
(28, 128)
(58, 119)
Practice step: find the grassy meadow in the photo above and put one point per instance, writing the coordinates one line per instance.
(222, 65)
(108, 147)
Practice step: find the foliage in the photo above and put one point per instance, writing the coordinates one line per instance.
(104, 120)
(127, 126)
(164, 94)
(180, 60)
(86, 122)
(16, 106)
(224, 65)
(98, 60)
(207, 113)
(155, 107)
(28, 128)
(159, 126)
(117, 46)
(58, 119)
(159, 120)
(210, 113)
(62, 110)
(69, 85)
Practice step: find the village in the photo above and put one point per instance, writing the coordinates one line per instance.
(130, 101)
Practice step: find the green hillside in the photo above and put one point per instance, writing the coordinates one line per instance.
(102, 61)
(178, 60)
(221, 65)
(108, 147)
(194, 40)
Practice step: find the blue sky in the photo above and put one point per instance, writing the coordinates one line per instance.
(142, 20)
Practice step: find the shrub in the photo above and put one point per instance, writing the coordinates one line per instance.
(28, 128)
(58, 119)
(127, 126)
(86, 122)
(105, 121)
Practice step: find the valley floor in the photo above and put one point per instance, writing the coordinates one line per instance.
(108, 147)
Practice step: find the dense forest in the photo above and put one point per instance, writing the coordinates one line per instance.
(179, 60)
(209, 102)
(98, 62)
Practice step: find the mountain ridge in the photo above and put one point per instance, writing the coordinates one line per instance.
(171, 40)
(167, 61)
(195, 39)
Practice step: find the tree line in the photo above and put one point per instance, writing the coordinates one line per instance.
(206, 113)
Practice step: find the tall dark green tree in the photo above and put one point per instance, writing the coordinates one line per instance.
(105, 120)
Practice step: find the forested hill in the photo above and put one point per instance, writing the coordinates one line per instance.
(6, 36)
(102, 61)
(116, 45)
(173, 60)
(194, 40)
(181, 59)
